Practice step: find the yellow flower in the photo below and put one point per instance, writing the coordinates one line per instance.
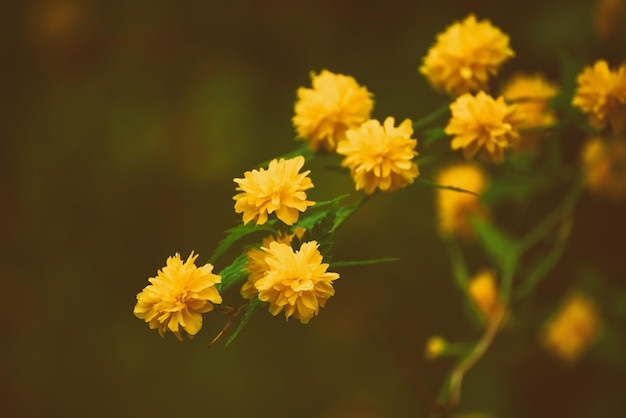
(334, 104)
(601, 94)
(483, 292)
(572, 329)
(257, 266)
(280, 188)
(604, 164)
(454, 209)
(380, 156)
(531, 94)
(435, 347)
(296, 282)
(484, 125)
(465, 56)
(177, 296)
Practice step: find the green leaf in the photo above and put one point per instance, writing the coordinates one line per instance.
(432, 135)
(236, 233)
(248, 311)
(329, 202)
(321, 231)
(234, 273)
(431, 117)
(441, 186)
(364, 262)
(545, 264)
(498, 245)
(503, 251)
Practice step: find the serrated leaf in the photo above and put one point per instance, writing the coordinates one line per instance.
(233, 274)
(236, 233)
(321, 232)
(344, 212)
(329, 202)
(248, 311)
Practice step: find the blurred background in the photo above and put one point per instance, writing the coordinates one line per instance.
(123, 125)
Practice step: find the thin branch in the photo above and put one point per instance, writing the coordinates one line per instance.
(233, 312)
(456, 378)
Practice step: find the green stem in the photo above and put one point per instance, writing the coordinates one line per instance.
(456, 378)
(459, 267)
(420, 123)
(543, 228)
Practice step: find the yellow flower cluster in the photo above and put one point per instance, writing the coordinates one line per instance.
(178, 296)
(335, 104)
(601, 94)
(531, 94)
(465, 55)
(454, 209)
(484, 125)
(604, 164)
(380, 157)
(257, 266)
(280, 188)
(296, 282)
(572, 329)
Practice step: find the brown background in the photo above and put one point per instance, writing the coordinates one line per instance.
(123, 124)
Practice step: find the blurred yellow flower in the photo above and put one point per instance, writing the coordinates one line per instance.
(380, 156)
(454, 209)
(601, 94)
(296, 282)
(280, 188)
(178, 296)
(483, 292)
(604, 163)
(572, 329)
(334, 104)
(435, 347)
(531, 94)
(257, 266)
(484, 125)
(465, 56)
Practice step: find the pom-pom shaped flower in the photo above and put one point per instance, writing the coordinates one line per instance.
(465, 56)
(572, 329)
(601, 94)
(296, 282)
(454, 209)
(484, 125)
(483, 292)
(531, 94)
(280, 188)
(178, 296)
(335, 104)
(604, 163)
(380, 156)
(257, 266)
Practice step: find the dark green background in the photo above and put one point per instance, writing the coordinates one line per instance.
(123, 125)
